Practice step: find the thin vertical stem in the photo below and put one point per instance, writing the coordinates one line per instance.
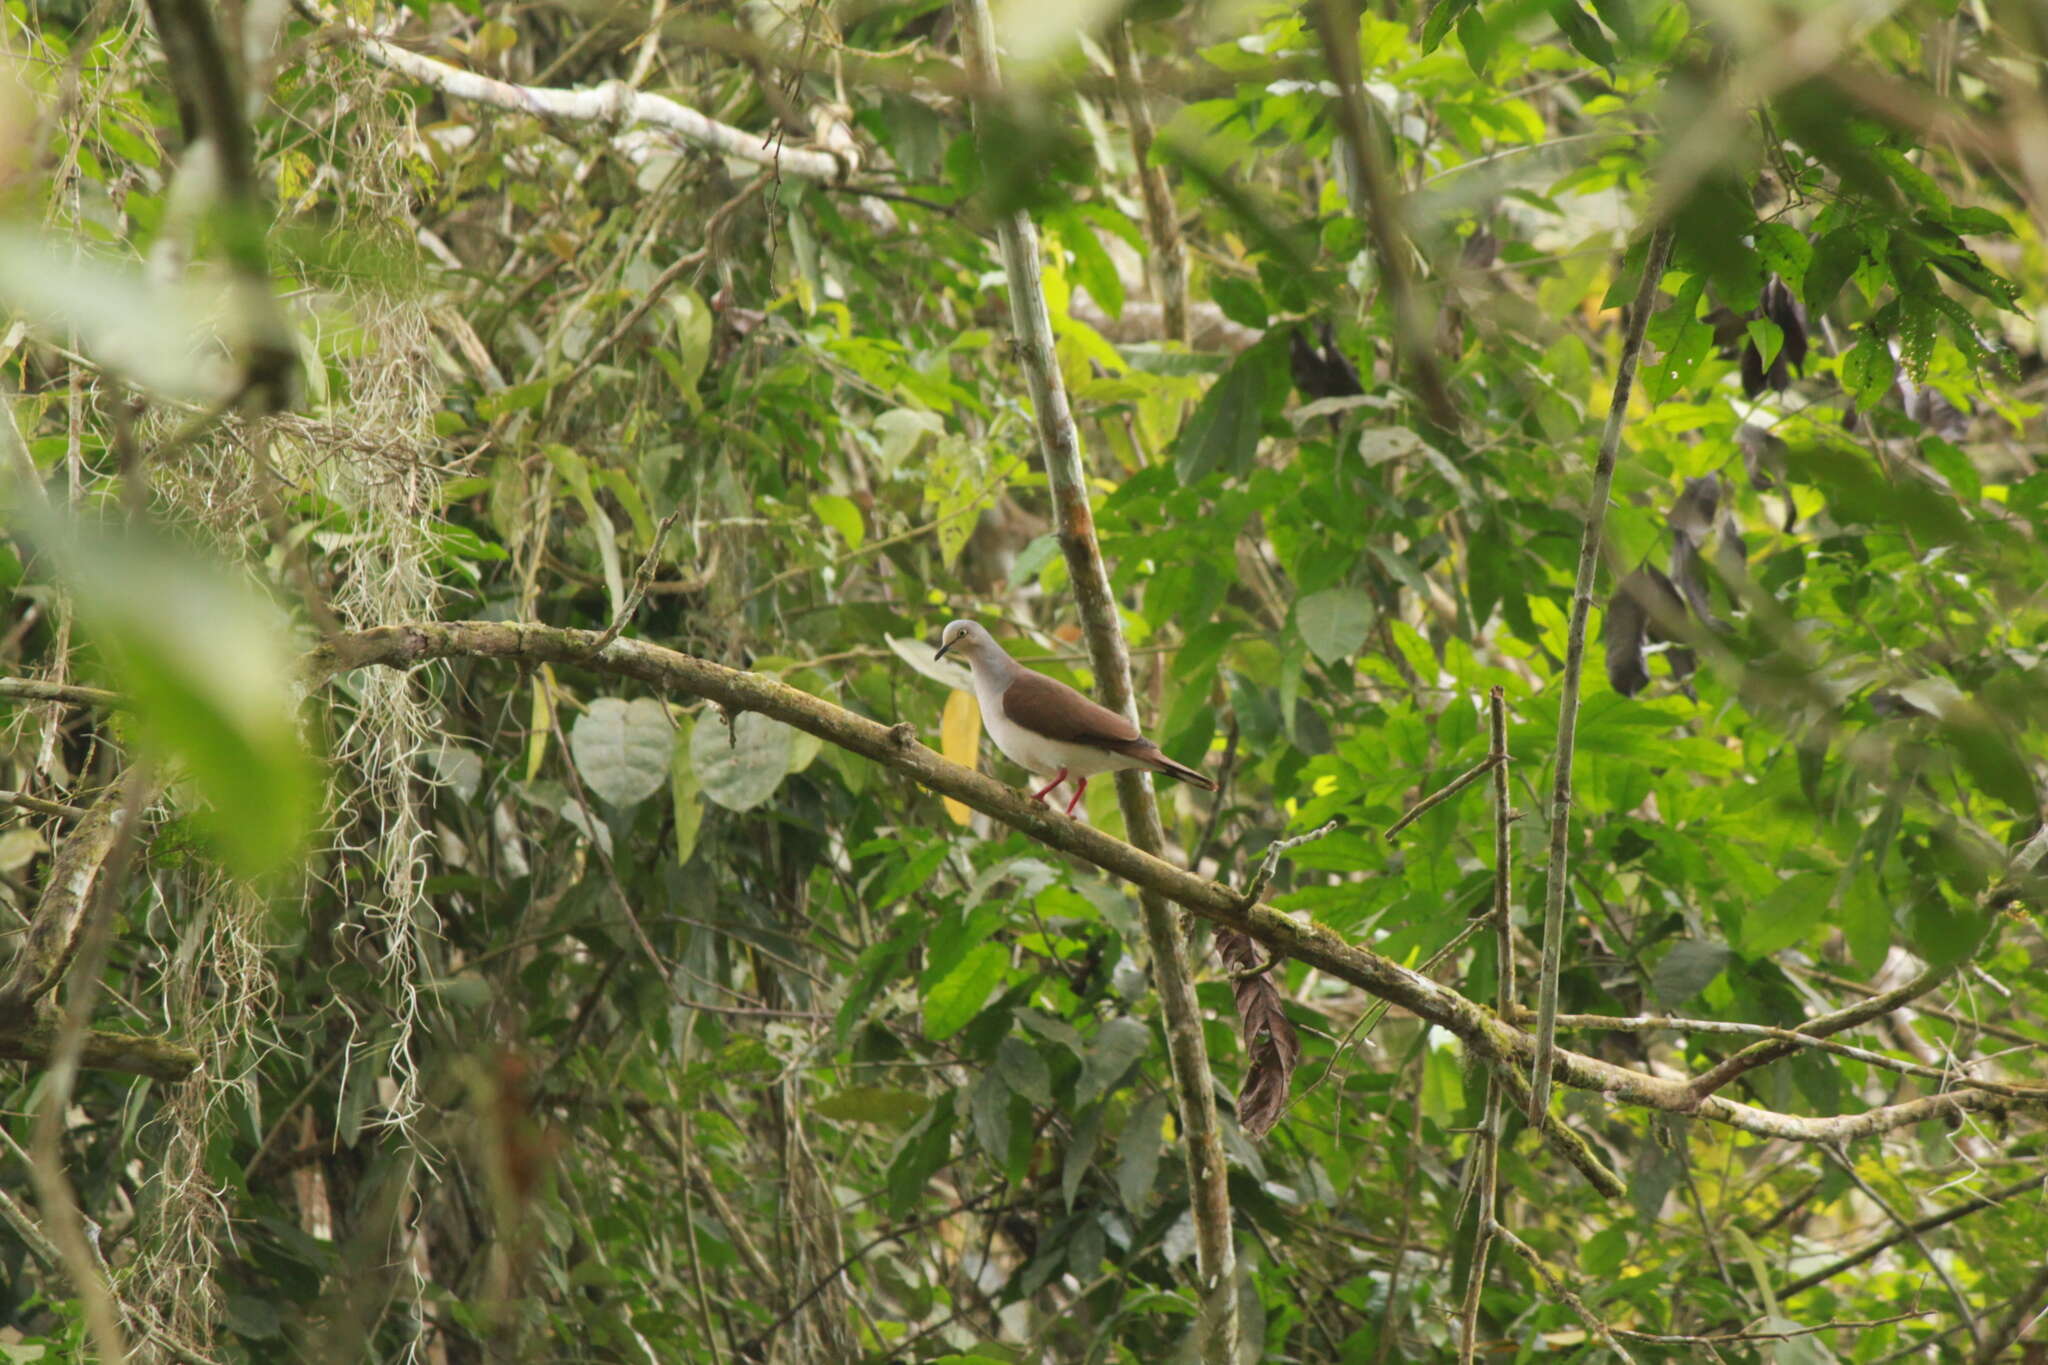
(1377, 202)
(1574, 668)
(1504, 995)
(1169, 256)
(1060, 446)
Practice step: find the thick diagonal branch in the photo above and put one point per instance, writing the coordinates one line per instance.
(1479, 1029)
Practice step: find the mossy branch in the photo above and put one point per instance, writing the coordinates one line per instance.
(1482, 1032)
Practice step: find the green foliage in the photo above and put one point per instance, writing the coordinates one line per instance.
(796, 1065)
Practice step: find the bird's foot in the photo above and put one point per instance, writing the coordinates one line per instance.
(1039, 795)
(1076, 799)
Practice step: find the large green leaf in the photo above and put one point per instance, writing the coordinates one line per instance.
(209, 664)
(622, 748)
(1334, 622)
(741, 766)
(1224, 431)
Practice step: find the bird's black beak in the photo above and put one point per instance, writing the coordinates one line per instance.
(944, 647)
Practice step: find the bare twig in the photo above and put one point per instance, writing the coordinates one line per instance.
(1976, 1204)
(210, 107)
(1652, 1023)
(1270, 864)
(1443, 794)
(2016, 1319)
(1378, 202)
(35, 689)
(1733, 1338)
(1168, 257)
(1574, 668)
(63, 1218)
(1492, 1125)
(42, 807)
(1912, 1234)
(613, 104)
(640, 582)
(1559, 1289)
(61, 912)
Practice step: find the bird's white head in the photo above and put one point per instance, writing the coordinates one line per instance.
(971, 641)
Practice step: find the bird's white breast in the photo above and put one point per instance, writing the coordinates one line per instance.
(1034, 752)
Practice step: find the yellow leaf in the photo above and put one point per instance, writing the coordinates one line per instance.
(543, 721)
(960, 741)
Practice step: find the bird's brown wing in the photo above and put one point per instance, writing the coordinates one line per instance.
(1051, 708)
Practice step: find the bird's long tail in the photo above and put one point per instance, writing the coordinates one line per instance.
(1161, 763)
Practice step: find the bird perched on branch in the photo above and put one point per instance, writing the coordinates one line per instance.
(1047, 727)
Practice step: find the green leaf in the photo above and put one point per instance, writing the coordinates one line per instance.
(885, 1106)
(1438, 25)
(988, 1106)
(1668, 373)
(1116, 1046)
(1835, 258)
(1224, 431)
(1334, 622)
(958, 996)
(1786, 916)
(686, 793)
(923, 1152)
(622, 749)
(1040, 552)
(518, 398)
(1023, 1070)
(740, 768)
(209, 665)
(1093, 269)
(954, 486)
(1620, 16)
(1685, 971)
(1582, 31)
(841, 515)
(693, 343)
(1768, 338)
(1139, 1146)
(1914, 181)
(1479, 38)
(1978, 222)
(1868, 369)
(1785, 252)
(1240, 301)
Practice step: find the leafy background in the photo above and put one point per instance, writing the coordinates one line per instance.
(546, 1019)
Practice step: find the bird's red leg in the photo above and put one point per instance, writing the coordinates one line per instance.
(1077, 796)
(1039, 795)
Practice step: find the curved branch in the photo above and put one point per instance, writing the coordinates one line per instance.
(613, 103)
(138, 1054)
(37, 689)
(53, 930)
(1481, 1031)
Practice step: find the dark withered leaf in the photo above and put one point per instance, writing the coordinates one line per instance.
(1779, 306)
(1762, 454)
(1271, 1044)
(1621, 633)
(1324, 372)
